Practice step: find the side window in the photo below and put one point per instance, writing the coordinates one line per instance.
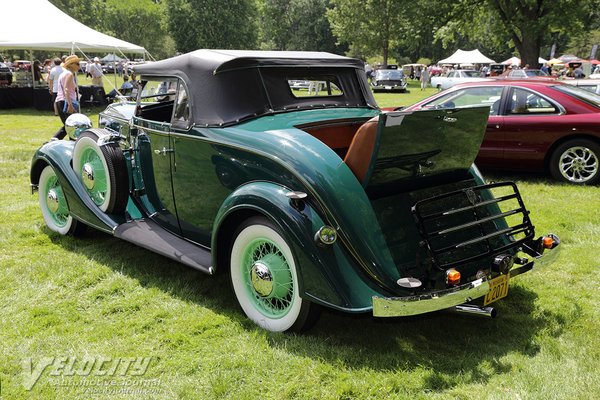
(181, 116)
(157, 99)
(470, 97)
(523, 101)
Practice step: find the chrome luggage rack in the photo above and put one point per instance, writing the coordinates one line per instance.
(470, 224)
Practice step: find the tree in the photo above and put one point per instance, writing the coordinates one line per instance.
(90, 12)
(141, 22)
(296, 25)
(216, 24)
(137, 21)
(527, 24)
(370, 27)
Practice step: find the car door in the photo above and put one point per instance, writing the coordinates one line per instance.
(528, 128)
(196, 172)
(153, 126)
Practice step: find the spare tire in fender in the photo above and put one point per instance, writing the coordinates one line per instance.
(102, 170)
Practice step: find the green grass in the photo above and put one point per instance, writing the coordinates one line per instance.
(98, 296)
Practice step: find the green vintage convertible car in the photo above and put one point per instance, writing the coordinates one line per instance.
(306, 199)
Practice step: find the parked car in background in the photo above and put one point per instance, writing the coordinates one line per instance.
(591, 85)
(497, 69)
(389, 80)
(21, 65)
(527, 73)
(6, 75)
(303, 201)
(455, 77)
(534, 125)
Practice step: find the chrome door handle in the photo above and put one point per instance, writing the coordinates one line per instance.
(163, 152)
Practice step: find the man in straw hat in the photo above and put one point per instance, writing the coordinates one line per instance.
(67, 97)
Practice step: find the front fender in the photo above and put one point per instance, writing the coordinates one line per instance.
(326, 274)
(59, 155)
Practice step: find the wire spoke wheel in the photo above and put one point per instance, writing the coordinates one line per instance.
(268, 278)
(265, 279)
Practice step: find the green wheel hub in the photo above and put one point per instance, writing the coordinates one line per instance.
(93, 175)
(56, 202)
(268, 278)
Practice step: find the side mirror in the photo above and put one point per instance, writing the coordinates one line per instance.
(77, 123)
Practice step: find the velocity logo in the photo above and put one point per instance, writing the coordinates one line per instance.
(99, 367)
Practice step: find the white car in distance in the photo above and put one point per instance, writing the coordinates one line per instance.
(454, 77)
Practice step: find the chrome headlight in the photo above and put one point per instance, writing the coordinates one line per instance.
(77, 123)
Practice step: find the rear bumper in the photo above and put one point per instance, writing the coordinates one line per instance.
(433, 301)
(443, 299)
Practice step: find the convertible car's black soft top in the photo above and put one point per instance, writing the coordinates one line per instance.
(228, 86)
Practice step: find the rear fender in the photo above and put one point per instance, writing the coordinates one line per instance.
(59, 154)
(326, 275)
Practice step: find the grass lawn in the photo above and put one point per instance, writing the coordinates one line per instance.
(103, 301)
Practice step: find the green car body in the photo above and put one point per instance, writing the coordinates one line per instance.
(218, 145)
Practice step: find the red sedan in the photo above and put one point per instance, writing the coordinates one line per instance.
(533, 126)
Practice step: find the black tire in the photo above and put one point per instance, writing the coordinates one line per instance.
(263, 273)
(103, 171)
(576, 161)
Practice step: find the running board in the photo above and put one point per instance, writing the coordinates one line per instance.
(149, 235)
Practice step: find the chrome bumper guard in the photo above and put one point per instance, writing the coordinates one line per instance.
(433, 301)
(443, 299)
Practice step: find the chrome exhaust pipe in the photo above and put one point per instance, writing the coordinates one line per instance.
(476, 310)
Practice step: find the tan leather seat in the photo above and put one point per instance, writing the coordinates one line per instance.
(361, 149)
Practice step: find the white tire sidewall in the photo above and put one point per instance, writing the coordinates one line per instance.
(47, 173)
(243, 239)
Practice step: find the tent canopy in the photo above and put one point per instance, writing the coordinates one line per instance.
(466, 57)
(111, 58)
(512, 61)
(64, 33)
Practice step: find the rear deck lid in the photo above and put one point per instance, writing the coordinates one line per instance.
(412, 145)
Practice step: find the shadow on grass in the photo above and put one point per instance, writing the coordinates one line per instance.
(450, 348)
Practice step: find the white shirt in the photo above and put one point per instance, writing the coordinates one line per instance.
(54, 74)
(95, 70)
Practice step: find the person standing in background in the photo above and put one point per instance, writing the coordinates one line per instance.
(53, 81)
(67, 96)
(96, 72)
(424, 78)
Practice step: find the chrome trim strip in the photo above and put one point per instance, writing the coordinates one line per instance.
(432, 301)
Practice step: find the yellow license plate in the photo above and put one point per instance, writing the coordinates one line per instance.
(498, 289)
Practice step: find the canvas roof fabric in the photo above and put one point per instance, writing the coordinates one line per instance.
(39, 25)
(466, 57)
(229, 86)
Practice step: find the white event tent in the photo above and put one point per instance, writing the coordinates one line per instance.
(467, 57)
(39, 25)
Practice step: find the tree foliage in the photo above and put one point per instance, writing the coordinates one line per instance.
(296, 25)
(140, 22)
(369, 26)
(404, 30)
(526, 25)
(216, 24)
